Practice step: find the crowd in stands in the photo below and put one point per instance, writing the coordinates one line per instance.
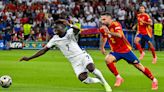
(26, 20)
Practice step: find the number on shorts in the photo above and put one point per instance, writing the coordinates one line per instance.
(67, 47)
(87, 56)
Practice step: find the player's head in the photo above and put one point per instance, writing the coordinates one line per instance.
(59, 28)
(142, 9)
(106, 18)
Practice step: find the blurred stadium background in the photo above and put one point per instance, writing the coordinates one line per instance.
(27, 24)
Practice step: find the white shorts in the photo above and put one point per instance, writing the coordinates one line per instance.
(80, 62)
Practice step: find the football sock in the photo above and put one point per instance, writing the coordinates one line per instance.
(90, 80)
(112, 68)
(154, 80)
(148, 73)
(138, 46)
(99, 75)
(153, 52)
(118, 76)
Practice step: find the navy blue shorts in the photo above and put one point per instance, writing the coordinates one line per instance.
(129, 57)
(145, 37)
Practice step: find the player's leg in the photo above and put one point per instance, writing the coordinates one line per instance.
(149, 40)
(83, 77)
(81, 72)
(91, 68)
(153, 52)
(148, 73)
(138, 45)
(131, 58)
(89, 80)
(89, 65)
(111, 66)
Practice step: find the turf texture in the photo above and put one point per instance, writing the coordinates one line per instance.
(53, 73)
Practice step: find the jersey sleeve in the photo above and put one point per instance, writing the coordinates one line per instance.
(117, 28)
(102, 32)
(51, 43)
(147, 18)
(70, 33)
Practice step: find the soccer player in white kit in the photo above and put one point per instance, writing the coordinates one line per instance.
(81, 61)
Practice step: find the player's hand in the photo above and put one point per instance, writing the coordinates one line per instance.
(24, 59)
(142, 21)
(103, 51)
(64, 21)
(105, 29)
(133, 28)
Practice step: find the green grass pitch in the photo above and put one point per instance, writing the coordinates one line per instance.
(53, 73)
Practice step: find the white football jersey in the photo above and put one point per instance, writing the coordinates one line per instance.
(67, 44)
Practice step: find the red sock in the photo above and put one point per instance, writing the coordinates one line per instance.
(138, 46)
(148, 73)
(153, 52)
(112, 68)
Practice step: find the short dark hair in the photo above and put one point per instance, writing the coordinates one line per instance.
(142, 6)
(59, 27)
(106, 14)
(58, 21)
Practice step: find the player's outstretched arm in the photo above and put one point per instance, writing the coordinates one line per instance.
(134, 27)
(39, 53)
(76, 29)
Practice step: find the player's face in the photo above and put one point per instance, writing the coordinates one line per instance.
(142, 9)
(59, 30)
(105, 19)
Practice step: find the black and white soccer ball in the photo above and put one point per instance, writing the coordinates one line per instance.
(5, 81)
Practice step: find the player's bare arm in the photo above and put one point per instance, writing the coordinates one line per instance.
(103, 42)
(76, 29)
(134, 27)
(39, 53)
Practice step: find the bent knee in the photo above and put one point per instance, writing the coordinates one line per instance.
(109, 59)
(91, 67)
(83, 76)
(136, 40)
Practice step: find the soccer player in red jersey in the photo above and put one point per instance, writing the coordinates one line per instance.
(144, 32)
(111, 31)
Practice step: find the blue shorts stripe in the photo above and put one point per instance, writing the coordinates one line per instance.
(145, 37)
(129, 57)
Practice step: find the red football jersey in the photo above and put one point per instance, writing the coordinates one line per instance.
(117, 44)
(142, 28)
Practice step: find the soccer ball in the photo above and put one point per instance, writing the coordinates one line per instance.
(5, 81)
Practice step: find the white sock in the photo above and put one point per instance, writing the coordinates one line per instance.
(154, 80)
(118, 76)
(99, 75)
(90, 80)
